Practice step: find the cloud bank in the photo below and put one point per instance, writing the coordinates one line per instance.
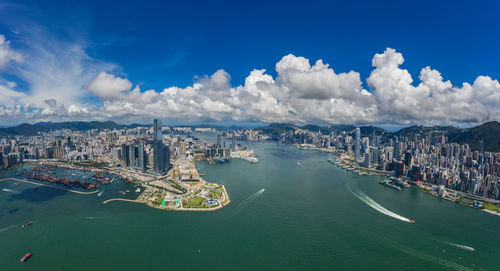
(301, 92)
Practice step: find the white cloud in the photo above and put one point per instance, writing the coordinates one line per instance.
(300, 93)
(9, 96)
(7, 55)
(108, 86)
(433, 99)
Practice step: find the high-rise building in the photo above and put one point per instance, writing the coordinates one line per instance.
(141, 159)
(366, 162)
(397, 154)
(234, 142)
(481, 146)
(357, 145)
(157, 135)
(182, 148)
(133, 155)
(125, 155)
(161, 154)
(219, 141)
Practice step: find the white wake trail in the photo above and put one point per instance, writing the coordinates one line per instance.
(372, 203)
(251, 198)
(8, 228)
(10, 190)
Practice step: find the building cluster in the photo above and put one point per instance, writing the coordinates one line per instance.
(428, 158)
(143, 149)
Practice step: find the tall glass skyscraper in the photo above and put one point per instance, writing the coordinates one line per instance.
(358, 144)
(161, 152)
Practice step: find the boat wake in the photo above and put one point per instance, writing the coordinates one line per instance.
(8, 228)
(460, 246)
(431, 258)
(354, 189)
(10, 190)
(250, 199)
(299, 164)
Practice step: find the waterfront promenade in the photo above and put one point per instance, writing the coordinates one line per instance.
(50, 186)
(224, 202)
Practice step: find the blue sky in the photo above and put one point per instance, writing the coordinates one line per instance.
(161, 44)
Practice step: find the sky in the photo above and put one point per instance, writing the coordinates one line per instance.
(387, 63)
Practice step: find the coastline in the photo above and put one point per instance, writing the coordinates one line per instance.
(220, 206)
(343, 163)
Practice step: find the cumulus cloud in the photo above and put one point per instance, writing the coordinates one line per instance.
(108, 86)
(299, 93)
(433, 99)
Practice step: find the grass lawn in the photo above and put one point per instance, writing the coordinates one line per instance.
(194, 202)
(491, 207)
(216, 194)
(158, 198)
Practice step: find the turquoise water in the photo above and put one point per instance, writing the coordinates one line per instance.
(284, 215)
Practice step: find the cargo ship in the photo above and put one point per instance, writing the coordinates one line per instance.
(25, 257)
(390, 184)
(28, 224)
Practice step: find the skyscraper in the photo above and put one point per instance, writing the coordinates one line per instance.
(125, 155)
(141, 159)
(234, 142)
(219, 141)
(397, 154)
(157, 146)
(357, 144)
(133, 155)
(157, 130)
(161, 153)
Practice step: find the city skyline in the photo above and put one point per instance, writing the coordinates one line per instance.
(58, 65)
(249, 135)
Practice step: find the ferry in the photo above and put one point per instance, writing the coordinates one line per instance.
(466, 247)
(28, 224)
(398, 181)
(389, 184)
(25, 257)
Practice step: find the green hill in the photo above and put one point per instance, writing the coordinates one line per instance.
(488, 132)
(27, 129)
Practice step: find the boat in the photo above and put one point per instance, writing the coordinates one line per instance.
(35, 188)
(398, 181)
(138, 190)
(412, 221)
(25, 257)
(466, 247)
(390, 184)
(16, 184)
(28, 224)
